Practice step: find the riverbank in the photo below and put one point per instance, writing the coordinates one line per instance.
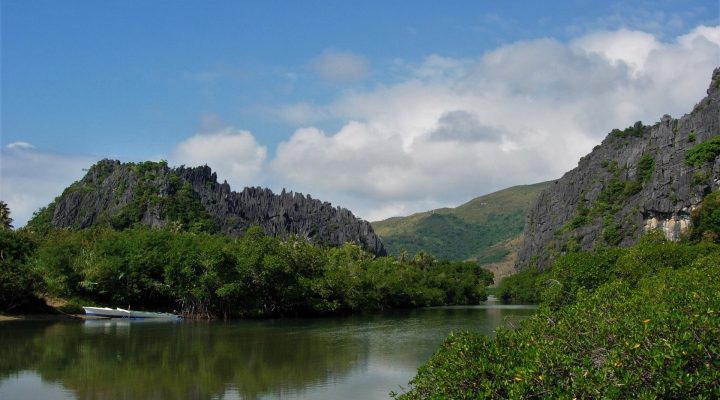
(44, 317)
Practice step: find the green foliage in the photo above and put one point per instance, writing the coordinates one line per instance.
(611, 197)
(41, 221)
(654, 337)
(632, 188)
(523, 287)
(578, 221)
(700, 177)
(474, 230)
(706, 220)
(654, 253)
(576, 272)
(206, 275)
(692, 137)
(180, 206)
(636, 130)
(612, 231)
(704, 152)
(645, 168)
(449, 237)
(17, 279)
(5, 220)
(57, 259)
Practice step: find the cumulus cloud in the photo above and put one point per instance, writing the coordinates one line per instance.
(30, 179)
(338, 66)
(463, 126)
(629, 47)
(522, 113)
(233, 154)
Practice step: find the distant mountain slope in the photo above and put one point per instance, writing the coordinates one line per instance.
(474, 230)
(151, 193)
(637, 179)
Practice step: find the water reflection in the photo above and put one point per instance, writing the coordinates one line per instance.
(351, 357)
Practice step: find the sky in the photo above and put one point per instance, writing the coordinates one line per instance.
(383, 107)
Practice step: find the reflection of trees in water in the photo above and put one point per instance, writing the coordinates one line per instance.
(187, 360)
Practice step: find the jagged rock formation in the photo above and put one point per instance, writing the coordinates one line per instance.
(121, 194)
(636, 180)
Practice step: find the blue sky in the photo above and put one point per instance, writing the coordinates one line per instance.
(348, 101)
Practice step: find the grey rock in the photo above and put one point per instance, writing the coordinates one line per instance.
(665, 200)
(110, 186)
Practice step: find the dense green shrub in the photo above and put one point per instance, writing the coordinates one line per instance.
(636, 130)
(523, 287)
(659, 339)
(17, 278)
(645, 168)
(704, 152)
(654, 253)
(208, 275)
(578, 271)
(706, 220)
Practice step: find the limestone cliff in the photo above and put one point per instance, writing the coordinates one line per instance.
(153, 194)
(636, 180)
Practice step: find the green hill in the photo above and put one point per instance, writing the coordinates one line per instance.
(475, 230)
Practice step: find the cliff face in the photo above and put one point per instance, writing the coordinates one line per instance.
(636, 180)
(191, 198)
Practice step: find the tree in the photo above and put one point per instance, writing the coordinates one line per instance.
(17, 279)
(5, 220)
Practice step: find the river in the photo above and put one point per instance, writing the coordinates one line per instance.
(352, 357)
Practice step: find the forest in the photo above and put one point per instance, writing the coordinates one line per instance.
(206, 275)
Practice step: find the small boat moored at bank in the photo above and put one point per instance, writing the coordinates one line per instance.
(122, 313)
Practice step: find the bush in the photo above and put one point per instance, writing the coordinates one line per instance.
(578, 271)
(660, 339)
(645, 168)
(523, 287)
(17, 278)
(706, 220)
(704, 152)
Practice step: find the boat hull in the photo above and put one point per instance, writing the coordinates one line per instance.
(121, 313)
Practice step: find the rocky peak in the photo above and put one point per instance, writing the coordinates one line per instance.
(151, 193)
(636, 180)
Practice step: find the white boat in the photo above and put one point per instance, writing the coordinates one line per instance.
(122, 313)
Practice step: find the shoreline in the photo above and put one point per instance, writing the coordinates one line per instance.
(45, 317)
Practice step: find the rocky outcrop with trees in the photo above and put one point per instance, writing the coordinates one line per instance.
(191, 199)
(640, 178)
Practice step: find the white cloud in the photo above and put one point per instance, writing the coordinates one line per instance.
(338, 66)
(31, 179)
(629, 47)
(20, 146)
(525, 112)
(233, 154)
(450, 130)
(464, 126)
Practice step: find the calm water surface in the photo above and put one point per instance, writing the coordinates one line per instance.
(357, 357)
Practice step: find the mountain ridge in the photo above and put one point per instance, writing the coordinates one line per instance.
(153, 194)
(476, 229)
